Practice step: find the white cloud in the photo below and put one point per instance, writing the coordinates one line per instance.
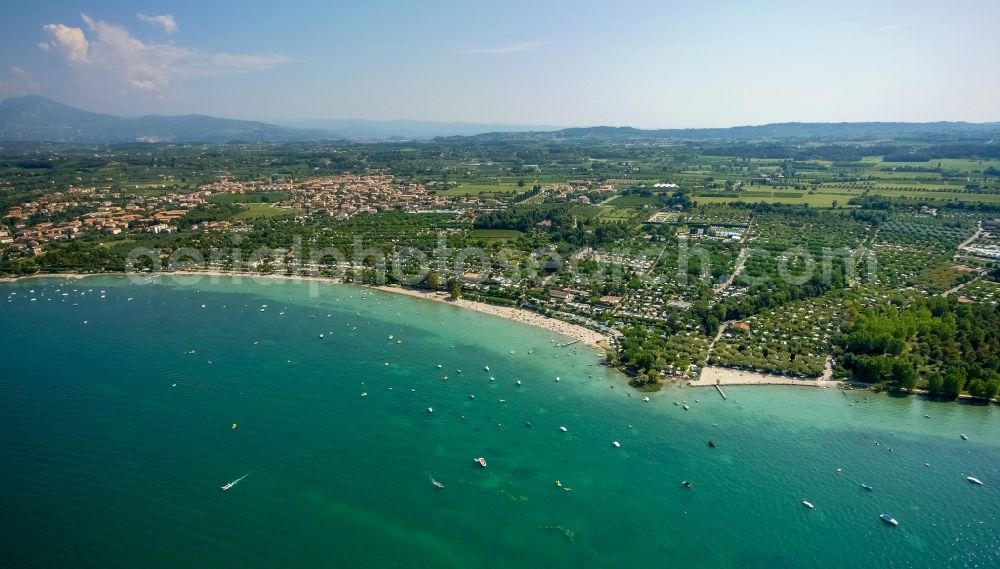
(514, 48)
(69, 41)
(113, 58)
(166, 21)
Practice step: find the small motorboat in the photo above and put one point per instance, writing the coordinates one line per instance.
(563, 429)
(518, 382)
(486, 368)
(867, 487)
(481, 461)
(527, 423)
(887, 518)
(974, 480)
(616, 444)
(436, 483)
(964, 437)
(646, 399)
(687, 484)
(686, 407)
(471, 396)
(808, 504)
(711, 444)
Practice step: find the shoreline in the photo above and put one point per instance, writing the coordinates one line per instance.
(715, 375)
(581, 334)
(576, 332)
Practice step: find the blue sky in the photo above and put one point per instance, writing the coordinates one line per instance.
(641, 63)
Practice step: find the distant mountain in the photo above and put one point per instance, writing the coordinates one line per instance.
(37, 118)
(776, 131)
(361, 129)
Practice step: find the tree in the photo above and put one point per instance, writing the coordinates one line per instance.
(904, 375)
(954, 381)
(935, 383)
(456, 290)
(433, 281)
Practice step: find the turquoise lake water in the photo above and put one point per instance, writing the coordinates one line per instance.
(105, 464)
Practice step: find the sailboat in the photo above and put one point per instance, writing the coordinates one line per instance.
(229, 485)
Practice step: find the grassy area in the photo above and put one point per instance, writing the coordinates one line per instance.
(635, 201)
(819, 200)
(476, 189)
(616, 215)
(957, 164)
(265, 211)
(249, 198)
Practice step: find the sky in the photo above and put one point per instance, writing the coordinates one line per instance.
(648, 64)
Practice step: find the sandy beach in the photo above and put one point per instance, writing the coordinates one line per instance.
(713, 375)
(575, 332)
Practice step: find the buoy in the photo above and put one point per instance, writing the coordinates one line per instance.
(234, 425)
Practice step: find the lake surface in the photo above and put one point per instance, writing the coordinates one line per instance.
(106, 463)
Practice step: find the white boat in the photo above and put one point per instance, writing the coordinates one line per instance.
(686, 407)
(436, 483)
(563, 429)
(974, 480)
(229, 485)
(519, 382)
(616, 444)
(808, 504)
(887, 518)
(430, 409)
(486, 368)
(964, 437)
(646, 399)
(481, 461)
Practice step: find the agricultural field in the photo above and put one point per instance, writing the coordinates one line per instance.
(264, 211)
(815, 200)
(474, 189)
(249, 198)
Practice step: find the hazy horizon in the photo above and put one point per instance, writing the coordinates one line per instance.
(638, 64)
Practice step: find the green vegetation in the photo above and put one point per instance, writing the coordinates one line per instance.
(954, 346)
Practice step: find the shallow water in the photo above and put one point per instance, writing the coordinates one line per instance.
(107, 465)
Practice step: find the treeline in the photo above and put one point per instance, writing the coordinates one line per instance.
(952, 346)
